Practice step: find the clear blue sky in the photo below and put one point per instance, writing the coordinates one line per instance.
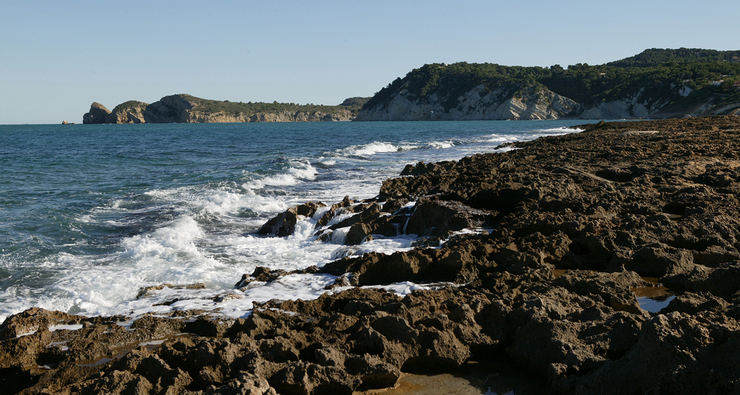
(57, 57)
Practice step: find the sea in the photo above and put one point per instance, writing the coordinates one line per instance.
(154, 218)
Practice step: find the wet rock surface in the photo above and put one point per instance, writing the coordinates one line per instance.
(567, 227)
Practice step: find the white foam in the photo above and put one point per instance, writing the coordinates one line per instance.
(304, 172)
(339, 235)
(340, 216)
(166, 244)
(65, 327)
(441, 144)
(373, 148)
(297, 172)
(29, 333)
(327, 162)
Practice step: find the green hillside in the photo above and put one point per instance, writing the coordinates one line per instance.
(662, 74)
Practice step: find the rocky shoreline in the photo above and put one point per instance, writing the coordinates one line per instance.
(537, 254)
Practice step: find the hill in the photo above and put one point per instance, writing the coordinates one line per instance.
(184, 108)
(657, 83)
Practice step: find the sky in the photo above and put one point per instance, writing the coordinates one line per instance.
(58, 57)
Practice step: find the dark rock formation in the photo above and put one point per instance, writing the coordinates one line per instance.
(97, 114)
(284, 224)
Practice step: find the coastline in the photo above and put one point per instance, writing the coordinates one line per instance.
(572, 225)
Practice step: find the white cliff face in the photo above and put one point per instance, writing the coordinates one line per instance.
(195, 116)
(476, 104)
(630, 107)
(134, 114)
(684, 91)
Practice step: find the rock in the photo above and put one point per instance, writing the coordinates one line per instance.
(245, 384)
(129, 112)
(260, 273)
(441, 218)
(696, 303)
(336, 209)
(614, 288)
(116, 383)
(284, 224)
(173, 108)
(660, 261)
(681, 355)
(723, 281)
(416, 265)
(97, 114)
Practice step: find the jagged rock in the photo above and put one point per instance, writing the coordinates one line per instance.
(723, 281)
(246, 384)
(441, 218)
(260, 273)
(129, 112)
(415, 265)
(696, 303)
(660, 261)
(681, 355)
(97, 114)
(116, 383)
(284, 223)
(614, 288)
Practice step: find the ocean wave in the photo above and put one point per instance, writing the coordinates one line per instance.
(441, 144)
(370, 149)
(298, 171)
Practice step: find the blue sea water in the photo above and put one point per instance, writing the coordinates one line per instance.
(92, 214)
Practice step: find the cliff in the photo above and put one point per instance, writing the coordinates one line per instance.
(654, 84)
(479, 103)
(98, 114)
(190, 109)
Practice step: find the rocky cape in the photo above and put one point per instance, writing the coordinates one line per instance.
(653, 84)
(189, 109)
(537, 253)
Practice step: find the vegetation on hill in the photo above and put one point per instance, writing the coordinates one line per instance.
(355, 103)
(228, 107)
(129, 105)
(656, 57)
(661, 72)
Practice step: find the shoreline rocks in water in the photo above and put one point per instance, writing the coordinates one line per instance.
(568, 227)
